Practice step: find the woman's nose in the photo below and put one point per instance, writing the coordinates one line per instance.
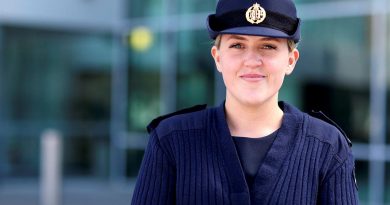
(253, 58)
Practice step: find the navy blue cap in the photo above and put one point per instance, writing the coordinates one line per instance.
(273, 18)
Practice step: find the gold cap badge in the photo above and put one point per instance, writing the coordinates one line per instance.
(255, 14)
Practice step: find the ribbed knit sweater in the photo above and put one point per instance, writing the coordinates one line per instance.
(191, 159)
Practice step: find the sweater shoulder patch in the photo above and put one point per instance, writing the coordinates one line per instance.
(154, 123)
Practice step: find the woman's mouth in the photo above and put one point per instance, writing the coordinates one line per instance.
(252, 77)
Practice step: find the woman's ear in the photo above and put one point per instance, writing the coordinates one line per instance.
(216, 56)
(292, 61)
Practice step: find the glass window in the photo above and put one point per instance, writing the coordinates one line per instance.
(145, 8)
(22, 156)
(134, 159)
(387, 126)
(334, 72)
(314, 1)
(291, 90)
(86, 154)
(194, 6)
(388, 86)
(60, 80)
(144, 85)
(387, 184)
(361, 172)
(195, 72)
(153, 8)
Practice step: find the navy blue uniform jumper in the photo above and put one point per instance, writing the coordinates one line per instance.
(191, 159)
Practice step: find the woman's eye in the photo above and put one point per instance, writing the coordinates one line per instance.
(271, 47)
(237, 45)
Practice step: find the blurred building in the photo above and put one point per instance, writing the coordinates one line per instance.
(98, 71)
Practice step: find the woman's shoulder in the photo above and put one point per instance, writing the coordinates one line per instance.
(319, 126)
(327, 131)
(322, 127)
(185, 119)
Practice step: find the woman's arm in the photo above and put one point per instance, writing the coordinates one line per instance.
(156, 178)
(340, 187)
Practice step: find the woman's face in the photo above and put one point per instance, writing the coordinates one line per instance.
(253, 67)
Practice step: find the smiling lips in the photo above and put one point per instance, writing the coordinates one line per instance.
(252, 77)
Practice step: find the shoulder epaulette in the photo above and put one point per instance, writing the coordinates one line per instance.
(322, 116)
(152, 125)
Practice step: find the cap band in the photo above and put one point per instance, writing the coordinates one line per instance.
(237, 19)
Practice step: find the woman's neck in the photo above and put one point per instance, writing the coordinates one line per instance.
(253, 121)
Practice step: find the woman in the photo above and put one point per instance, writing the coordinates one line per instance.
(251, 149)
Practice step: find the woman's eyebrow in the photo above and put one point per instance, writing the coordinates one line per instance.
(270, 39)
(266, 39)
(236, 37)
